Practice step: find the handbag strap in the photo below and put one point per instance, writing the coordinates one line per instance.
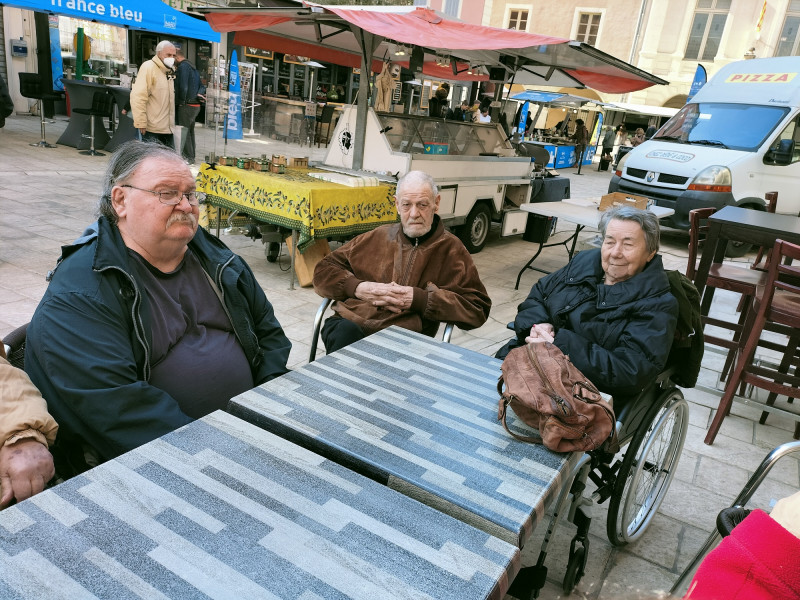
(535, 439)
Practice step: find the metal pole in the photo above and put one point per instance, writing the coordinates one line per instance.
(368, 43)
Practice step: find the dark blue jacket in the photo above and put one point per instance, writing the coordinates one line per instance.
(619, 336)
(88, 345)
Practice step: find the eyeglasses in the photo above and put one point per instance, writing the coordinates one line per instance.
(172, 197)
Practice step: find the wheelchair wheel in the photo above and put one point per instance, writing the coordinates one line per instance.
(272, 251)
(575, 569)
(647, 469)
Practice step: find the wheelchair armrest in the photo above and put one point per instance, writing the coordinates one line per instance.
(326, 302)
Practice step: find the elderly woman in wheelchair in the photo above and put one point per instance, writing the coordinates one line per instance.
(613, 313)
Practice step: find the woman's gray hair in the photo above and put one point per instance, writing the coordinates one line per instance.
(123, 165)
(646, 220)
(416, 178)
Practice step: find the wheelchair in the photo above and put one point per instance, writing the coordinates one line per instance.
(651, 430)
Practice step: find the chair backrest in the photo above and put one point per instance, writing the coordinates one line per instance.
(783, 274)
(327, 113)
(14, 346)
(696, 227)
(101, 102)
(772, 203)
(30, 85)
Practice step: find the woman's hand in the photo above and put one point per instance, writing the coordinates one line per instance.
(543, 332)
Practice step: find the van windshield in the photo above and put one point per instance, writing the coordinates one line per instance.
(734, 126)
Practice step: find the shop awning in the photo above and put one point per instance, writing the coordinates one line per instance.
(536, 59)
(147, 15)
(643, 109)
(550, 97)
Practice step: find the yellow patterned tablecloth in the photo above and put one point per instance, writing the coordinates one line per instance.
(315, 208)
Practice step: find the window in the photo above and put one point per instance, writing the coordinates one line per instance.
(588, 26)
(707, 27)
(451, 8)
(788, 41)
(518, 19)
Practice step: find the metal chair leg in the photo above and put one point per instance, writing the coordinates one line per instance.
(43, 143)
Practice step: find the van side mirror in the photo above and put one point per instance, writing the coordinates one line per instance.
(782, 154)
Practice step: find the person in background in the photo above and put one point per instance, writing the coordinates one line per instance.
(622, 136)
(6, 103)
(460, 113)
(609, 309)
(413, 274)
(638, 137)
(608, 143)
(581, 139)
(153, 96)
(187, 102)
(148, 322)
(483, 116)
(26, 432)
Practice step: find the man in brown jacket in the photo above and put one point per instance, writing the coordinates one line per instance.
(413, 274)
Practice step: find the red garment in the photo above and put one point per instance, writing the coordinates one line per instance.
(759, 560)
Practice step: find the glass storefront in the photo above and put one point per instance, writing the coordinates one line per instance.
(105, 48)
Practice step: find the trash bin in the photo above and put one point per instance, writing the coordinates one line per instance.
(539, 228)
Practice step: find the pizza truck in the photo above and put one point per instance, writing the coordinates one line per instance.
(735, 140)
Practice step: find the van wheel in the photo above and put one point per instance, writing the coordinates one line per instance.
(738, 249)
(476, 229)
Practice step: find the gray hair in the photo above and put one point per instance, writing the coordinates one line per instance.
(414, 178)
(646, 220)
(123, 165)
(163, 44)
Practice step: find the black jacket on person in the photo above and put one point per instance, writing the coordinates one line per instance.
(6, 103)
(618, 335)
(187, 83)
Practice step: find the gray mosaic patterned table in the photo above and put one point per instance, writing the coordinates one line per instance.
(420, 416)
(223, 509)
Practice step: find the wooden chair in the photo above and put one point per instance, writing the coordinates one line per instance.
(725, 277)
(318, 318)
(326, 120)
(778, 302)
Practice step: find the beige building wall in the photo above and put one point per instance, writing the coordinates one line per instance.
(653, 35)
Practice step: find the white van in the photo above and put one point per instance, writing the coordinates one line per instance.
(737, 139)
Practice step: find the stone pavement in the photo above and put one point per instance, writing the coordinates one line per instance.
(47, 197)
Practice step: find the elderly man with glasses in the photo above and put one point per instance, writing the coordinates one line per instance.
(148, 321)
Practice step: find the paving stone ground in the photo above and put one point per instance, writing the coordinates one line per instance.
(47, 197)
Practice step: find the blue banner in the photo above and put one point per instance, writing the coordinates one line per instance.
(55, 53)
(147, 15)
(523, 119)
(698, 82)
(233, 122)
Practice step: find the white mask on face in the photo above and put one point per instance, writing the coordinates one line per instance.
(169, 62)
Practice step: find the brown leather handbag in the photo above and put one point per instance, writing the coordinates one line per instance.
(548, 393)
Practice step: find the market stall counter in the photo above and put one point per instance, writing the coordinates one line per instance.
(311, 207)
(125, 131)
(78, 132)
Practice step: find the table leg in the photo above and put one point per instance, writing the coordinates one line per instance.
(570, 251)
(294, 253)
(714, 251)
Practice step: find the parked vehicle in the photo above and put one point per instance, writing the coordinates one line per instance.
(737, 139)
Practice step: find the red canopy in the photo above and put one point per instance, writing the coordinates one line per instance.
(323, 33)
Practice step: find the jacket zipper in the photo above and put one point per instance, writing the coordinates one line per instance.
(551, 391)
(221, 289)
(412, 258)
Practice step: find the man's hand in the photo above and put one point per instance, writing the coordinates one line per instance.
(787, 513)
(142, 130)
(391, 296)
(25, 468)
(542, 332)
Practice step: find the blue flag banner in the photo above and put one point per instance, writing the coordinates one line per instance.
(523, 118)
(55, 53)
(698, 82)
(234, 118)
(147, 15)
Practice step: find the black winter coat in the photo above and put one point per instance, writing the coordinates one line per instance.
(619, 336)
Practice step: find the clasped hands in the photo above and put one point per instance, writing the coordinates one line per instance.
(541, 332)
(391, 296)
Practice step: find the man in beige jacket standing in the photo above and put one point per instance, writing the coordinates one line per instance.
(153, 96)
